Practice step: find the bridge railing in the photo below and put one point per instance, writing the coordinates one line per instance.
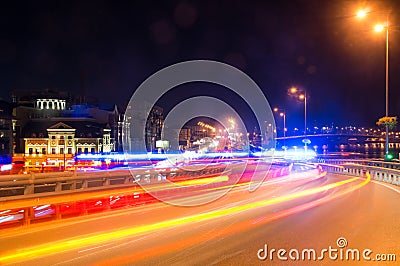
(388, 175)
(28, 184)
(378, 163)
(100, 187)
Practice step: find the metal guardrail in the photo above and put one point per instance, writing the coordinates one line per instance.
(119, 184)
(379, 163)
(379, 173)
(36, 183)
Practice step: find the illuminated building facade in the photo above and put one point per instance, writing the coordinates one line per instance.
(53, 145)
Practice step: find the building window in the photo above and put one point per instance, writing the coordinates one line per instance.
(69, 150)
(61, 150)
(79, 150)
(61, 137)
(92, 150)
(69, 137)
(86, 150)
(43, 150)
(53, 137)
(37, 150)
(53, 150)
(30, 150)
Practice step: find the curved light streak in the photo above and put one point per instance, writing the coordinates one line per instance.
(52, 248)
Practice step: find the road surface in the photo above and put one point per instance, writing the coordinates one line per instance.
(296, 213)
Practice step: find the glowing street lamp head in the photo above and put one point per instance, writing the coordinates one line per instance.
(379, 27)
(293, 90)
(275, 109)
(281, 114)
(302, 96)
(361, 13)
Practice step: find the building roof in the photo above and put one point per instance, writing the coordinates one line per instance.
(84, 128)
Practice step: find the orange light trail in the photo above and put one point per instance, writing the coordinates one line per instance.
(60, 246)
(193, 240)
(73, 197)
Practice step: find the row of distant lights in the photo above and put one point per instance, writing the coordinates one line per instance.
(202, 124)
(325, 128)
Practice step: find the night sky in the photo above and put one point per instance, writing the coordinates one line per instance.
(106, 49)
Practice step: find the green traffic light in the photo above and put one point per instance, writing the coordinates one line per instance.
(389, 157)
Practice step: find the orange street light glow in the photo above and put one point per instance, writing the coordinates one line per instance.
(361, 13)
(293, 90)
(301, 96)
(379, 27)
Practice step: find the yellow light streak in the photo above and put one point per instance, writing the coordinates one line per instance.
(234, 228)
(202, 181)
(72, 197)
(55, 247)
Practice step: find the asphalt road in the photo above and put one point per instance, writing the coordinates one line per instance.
(296, 213)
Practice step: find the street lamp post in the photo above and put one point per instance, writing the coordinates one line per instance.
(303, 97)
(387, 87)
(380, 28)
(283, 115)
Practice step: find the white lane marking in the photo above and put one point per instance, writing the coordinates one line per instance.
(88, 249)
(68, 262)
(382, 184)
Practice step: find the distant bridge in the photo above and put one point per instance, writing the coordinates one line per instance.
(342, 142)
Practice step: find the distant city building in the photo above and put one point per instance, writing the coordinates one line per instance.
(184, 139)
(144, 115)
(54, 143)
(49, 128)
(52, 104)
(154, 125)
(5, 132)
